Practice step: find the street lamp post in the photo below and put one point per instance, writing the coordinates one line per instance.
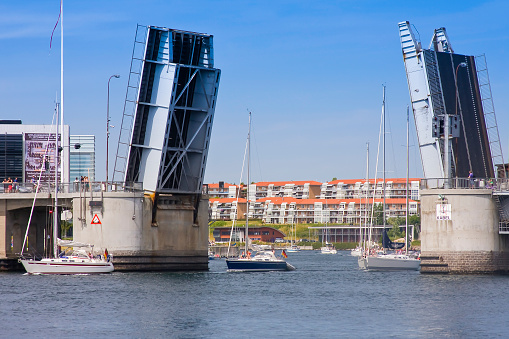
(447, 157)
(461, 64)
(108, 126)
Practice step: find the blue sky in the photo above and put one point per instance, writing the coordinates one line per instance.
(310, 71)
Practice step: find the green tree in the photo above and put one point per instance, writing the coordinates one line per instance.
(334, 179)
(395, 231)
(379, 214)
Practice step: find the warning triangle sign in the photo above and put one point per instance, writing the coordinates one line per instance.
(95, 220)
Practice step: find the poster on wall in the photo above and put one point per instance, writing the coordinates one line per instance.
(38, 147)
(444, 212)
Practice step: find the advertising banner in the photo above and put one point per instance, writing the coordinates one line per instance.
(38, 148)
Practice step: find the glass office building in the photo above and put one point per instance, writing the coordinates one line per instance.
(82, 157)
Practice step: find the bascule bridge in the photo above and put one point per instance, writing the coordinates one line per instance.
(152, 215)
(464, 219)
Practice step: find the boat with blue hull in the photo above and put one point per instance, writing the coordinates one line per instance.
(260, 262)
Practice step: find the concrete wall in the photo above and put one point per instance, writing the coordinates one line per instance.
(469, 242)
(172, 240)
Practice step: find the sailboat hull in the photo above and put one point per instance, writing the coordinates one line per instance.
(389, 263)
(58, 266)
(249, 265)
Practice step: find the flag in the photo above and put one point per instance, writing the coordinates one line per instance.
(59, 14)
(284, 254)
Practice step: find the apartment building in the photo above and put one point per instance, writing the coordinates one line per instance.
(294, 189)
(222, 190)
(357, 188)
(227, 208)
(339, 201)
(333, 211)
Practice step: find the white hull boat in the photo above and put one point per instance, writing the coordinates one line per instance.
(389, 262)
(329, 249)
(292, 249)
(67, 266)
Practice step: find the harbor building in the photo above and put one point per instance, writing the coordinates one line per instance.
(347, 233)
(464, 219)
(82, 157)
(256, 233)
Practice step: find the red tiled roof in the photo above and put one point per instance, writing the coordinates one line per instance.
(282, 183)
(280, 200)
(372, 181)
(224, 200)
(216, 185)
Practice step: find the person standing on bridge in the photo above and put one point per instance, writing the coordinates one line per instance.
(471, 178)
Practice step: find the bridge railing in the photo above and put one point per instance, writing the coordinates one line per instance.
(499, 185)
(72, 187)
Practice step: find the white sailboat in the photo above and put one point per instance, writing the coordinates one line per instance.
(293, 248)
(327, 248)
(261, 260)
(80, 261)
(373, 260)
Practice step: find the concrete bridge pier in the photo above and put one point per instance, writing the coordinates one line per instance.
(171, 235)
(465, 238)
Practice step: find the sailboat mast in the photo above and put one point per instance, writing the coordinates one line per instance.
(61, 77)
(247, 200)
(383, 152)
(367, 196)
(55, 209)
(407, 179)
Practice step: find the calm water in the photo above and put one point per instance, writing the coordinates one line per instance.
(327, 297)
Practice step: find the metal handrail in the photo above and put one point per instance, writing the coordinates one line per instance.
(499, 185)
(71, 187)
